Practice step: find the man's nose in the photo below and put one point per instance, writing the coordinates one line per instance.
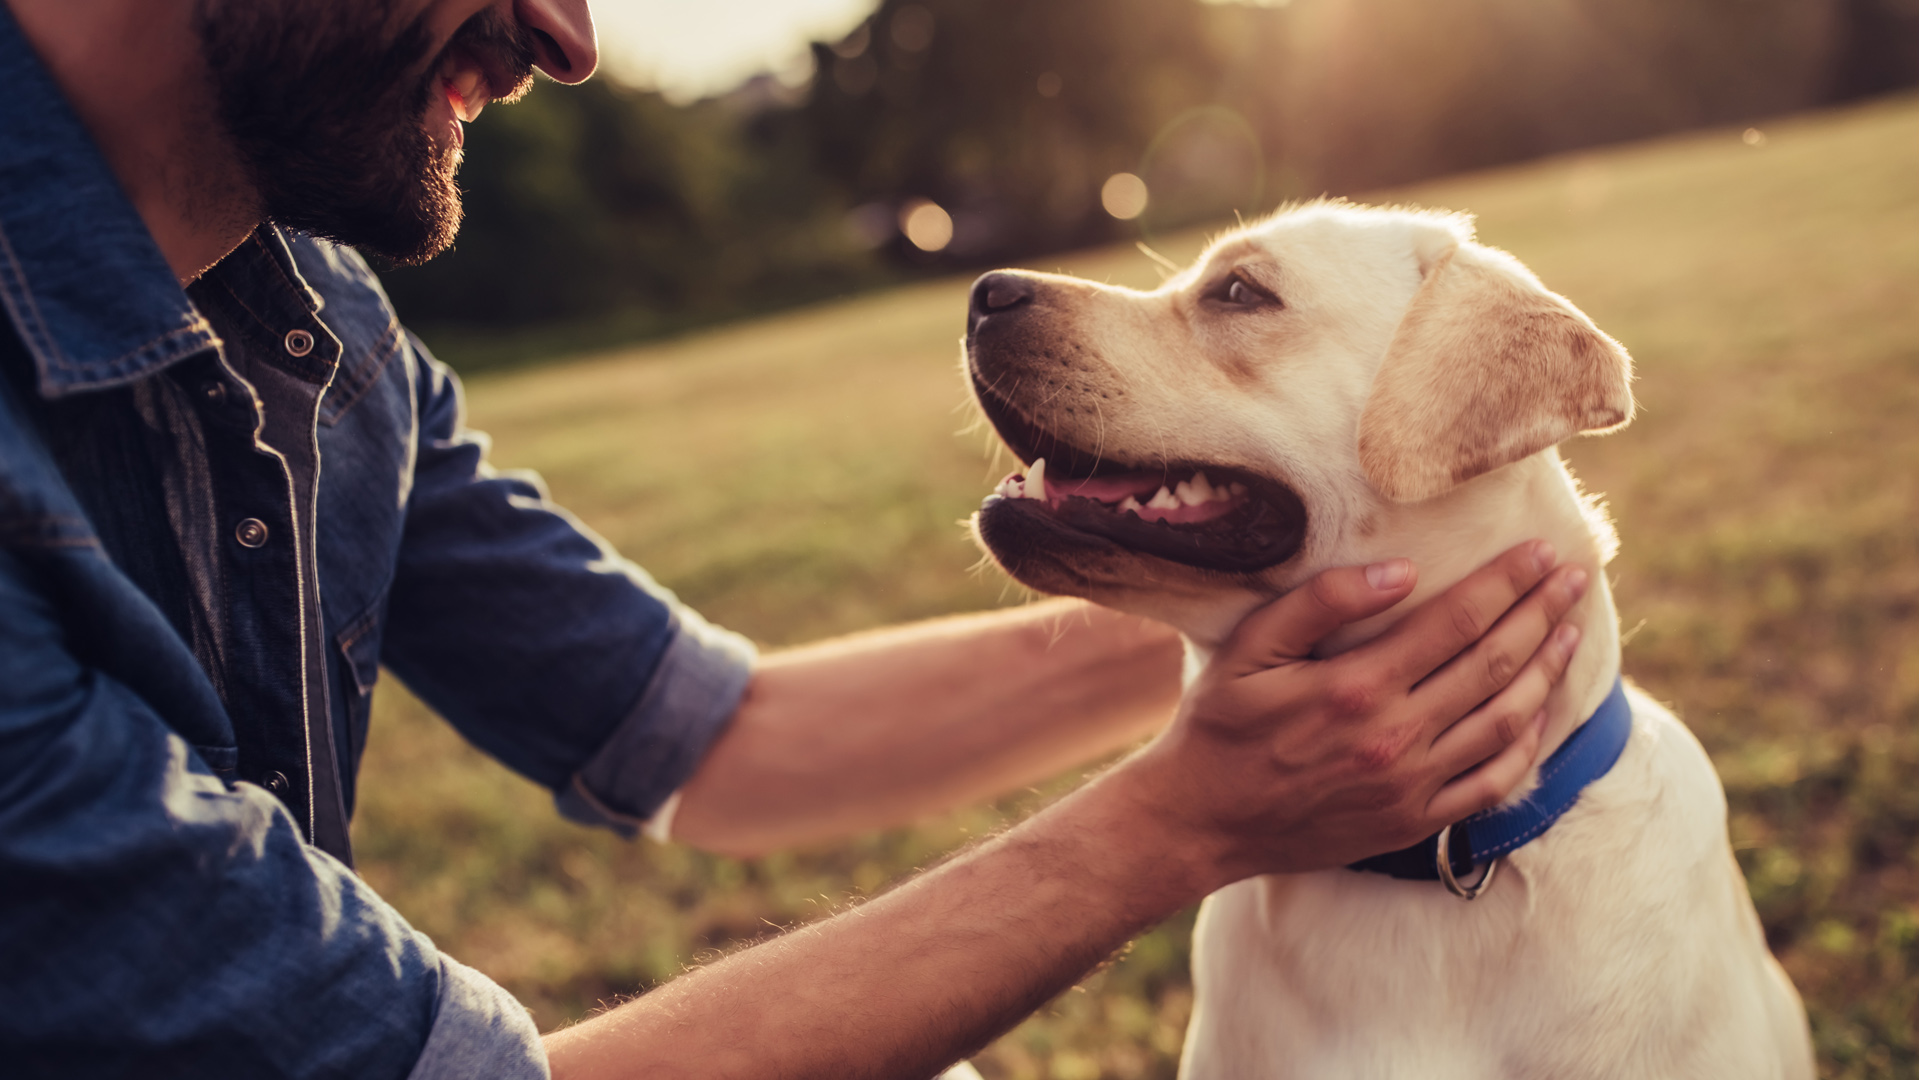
(998, 292)
(564, 29)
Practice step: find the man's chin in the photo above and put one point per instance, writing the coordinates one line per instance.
(406, 228)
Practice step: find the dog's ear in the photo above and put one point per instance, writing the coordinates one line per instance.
(1486, 368)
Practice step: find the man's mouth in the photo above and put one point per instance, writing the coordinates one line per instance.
(1207, 515)
(466, 90)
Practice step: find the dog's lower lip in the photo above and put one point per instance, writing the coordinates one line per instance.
(1261, 526)
(1266, 528)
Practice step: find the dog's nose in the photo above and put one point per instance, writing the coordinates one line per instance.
(997, 292)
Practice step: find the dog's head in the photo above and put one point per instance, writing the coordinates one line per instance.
(1213, 442)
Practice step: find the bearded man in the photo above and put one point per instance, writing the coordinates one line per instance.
(233, 488)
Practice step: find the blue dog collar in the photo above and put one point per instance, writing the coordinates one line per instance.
(1586, 756)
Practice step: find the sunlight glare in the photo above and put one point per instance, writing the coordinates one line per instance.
(1124, 195)
(928, 227)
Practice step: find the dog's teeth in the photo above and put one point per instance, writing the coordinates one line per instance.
(1036, 487)
(1187, 495)
(1009, 488)
(1203, 491)
(1163, 500)
(1236, 489)
(1130, 504)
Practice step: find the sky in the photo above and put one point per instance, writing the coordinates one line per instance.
(690, 48)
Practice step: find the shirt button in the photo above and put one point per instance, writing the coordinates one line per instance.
(251, 533)
(276, 782)
(299, 342)
(215, 392)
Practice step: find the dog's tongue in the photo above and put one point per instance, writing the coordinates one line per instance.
(1109, 489)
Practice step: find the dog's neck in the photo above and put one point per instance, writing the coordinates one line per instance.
(1451, 536)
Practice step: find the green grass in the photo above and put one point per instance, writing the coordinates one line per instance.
(802, 475)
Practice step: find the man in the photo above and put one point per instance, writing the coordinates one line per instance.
(232, 487)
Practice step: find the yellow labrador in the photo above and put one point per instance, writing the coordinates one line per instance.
(1339, 385)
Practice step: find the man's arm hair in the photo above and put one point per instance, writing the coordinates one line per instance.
(902, 723)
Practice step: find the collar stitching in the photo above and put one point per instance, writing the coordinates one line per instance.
(24, 308)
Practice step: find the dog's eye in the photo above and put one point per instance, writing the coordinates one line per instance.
(1236, 291)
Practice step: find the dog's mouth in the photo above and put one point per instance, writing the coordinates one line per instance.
(1206, 515)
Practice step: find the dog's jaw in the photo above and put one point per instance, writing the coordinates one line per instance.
(1448, 538)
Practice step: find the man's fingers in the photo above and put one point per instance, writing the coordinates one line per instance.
(1450, 622)
(1486, 785)
(1288, 628)
(1492, 727)
(1492, 663)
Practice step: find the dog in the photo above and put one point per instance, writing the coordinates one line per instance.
(1338, 385)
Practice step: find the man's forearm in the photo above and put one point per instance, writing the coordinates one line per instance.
(1266, 770)
(878, 729)
(919, 978)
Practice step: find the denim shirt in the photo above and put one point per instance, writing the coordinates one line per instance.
(222, 511)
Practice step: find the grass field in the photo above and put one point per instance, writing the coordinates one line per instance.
(802, 476)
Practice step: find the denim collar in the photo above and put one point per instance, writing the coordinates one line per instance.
(81, 279)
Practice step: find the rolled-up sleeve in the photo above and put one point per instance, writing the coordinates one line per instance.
(479, 1030)
(543, 646)
(156, 921)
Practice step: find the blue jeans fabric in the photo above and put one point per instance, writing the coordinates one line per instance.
(222, 511)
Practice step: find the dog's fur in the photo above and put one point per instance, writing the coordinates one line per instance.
(1409, 385)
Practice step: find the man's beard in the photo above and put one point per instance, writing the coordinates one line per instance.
(326, 108)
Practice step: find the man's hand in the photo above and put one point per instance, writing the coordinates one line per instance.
(1280, 762)
(1277, 762)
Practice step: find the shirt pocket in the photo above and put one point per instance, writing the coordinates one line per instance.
(359, 646)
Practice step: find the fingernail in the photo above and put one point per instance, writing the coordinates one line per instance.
(1390, 574)
(1566, 638)
(1540, 722)
(1577, 583)
(1543, 555)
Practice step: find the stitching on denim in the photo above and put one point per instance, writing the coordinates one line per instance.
(19, 292)
(350, 385)
(271, 334)
(281, 270)
(357, 631)
(599, 806)
(197, 326)
(246, 307)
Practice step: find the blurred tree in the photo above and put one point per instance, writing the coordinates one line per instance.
(611, 208)
(1008, 113)
(605, 202)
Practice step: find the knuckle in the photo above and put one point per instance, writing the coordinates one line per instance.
(1380, 752)
(1501, 666)
(1325, 592)
(1468, 618)
(1506, 728)
(1383, 799)
(1485, 792)
(1522, 569)
(1351, 697)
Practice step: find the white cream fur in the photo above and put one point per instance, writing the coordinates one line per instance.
(1620, 944)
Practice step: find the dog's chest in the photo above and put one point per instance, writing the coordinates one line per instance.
(1594, 933)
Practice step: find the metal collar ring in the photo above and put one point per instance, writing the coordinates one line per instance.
(1444, 866)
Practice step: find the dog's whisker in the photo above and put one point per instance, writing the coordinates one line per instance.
(1162, 261)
